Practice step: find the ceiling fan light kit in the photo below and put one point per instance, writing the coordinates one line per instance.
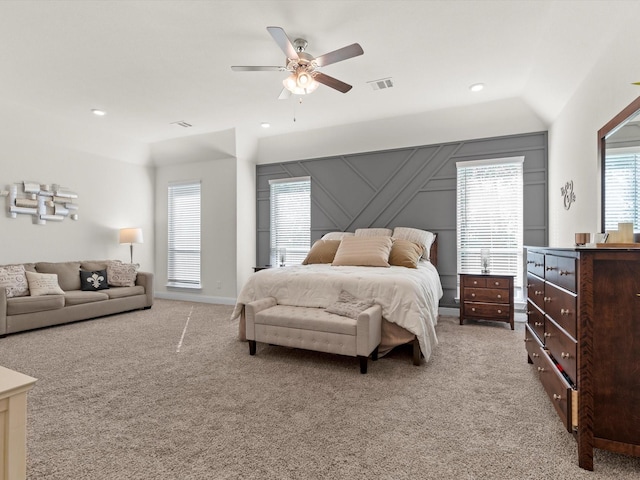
(304, 76)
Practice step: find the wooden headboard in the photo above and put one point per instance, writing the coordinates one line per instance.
(433, 251)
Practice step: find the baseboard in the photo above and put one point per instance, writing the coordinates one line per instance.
(190, 297)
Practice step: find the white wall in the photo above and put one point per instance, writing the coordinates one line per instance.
(219, 213)
(114, 189)
(573, 149)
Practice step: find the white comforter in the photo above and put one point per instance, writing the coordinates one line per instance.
(408, 297)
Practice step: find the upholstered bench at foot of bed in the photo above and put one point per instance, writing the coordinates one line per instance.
(314, 329)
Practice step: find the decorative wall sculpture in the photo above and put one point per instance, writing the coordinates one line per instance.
(42, 201)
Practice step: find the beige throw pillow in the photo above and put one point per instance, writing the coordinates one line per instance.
(122, 274)
(323, 251)
(405, 253)
(14, 280)
(363, 251)
(43, 284)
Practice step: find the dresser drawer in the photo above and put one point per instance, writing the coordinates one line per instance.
(535, 290)
(533, 346)
(562, 348)
(535, 319)
(561, 271)
(557, 388)
(490, 311)
(493, 295)
(561, 306)
(474, 281)
(535, 263)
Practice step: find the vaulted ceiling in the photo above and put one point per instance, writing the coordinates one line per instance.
(149, 64)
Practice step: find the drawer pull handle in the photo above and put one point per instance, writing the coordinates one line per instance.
(475, 282)
(497, 284)
(538, 264)
(565, 355)
(547, 334)
(527, 340)
(540, 293)
(549, 269)
(540, 369)
(547, 299)
(499, 311)
(528, 312)
(473, 309)
(535, 355)
(499, 296)
(473, 295)
(564, 311)
(557, 397)
(565, 272)
(538, 324)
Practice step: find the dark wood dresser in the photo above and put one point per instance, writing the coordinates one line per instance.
(583, 338)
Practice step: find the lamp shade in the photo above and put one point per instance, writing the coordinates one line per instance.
(131, 235)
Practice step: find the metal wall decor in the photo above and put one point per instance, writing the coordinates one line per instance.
(568, 194)
(43, 202)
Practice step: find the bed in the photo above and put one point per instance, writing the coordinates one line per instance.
(408, 296)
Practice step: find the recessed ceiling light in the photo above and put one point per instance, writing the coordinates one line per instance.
(476, 87)
(100, 113)
(265, 125)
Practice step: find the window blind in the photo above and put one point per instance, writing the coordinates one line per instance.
(184, 235)
(621, 174)
(490, 215)
(290, 220)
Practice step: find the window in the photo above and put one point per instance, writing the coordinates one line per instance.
(621, 175)
(290, 220)
(489, 215)
(184, 235)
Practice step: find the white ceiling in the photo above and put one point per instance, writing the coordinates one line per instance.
(151, 63)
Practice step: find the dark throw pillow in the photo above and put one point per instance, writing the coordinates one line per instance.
(92, 281)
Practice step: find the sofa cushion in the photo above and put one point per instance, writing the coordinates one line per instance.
(92, 265)
(92, 281)
(43, 284)
(20, 305)
(121, 292)
(78, 297)
(68, 273)
(122, 274)
(14, 280)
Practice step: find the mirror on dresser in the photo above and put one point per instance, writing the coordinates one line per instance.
(619, 150)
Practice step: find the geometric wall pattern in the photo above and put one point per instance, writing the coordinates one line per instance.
(406, 187)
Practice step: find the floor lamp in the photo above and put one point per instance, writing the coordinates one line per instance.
(131, 236)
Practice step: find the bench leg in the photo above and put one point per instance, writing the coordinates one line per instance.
(374, 354)
(416, 352)
(252, 347)
(363, 364)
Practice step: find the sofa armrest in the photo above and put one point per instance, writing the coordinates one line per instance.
(3, 311)
(145, 279)
(368, 330)
(251, 309)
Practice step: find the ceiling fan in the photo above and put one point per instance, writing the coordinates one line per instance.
(304, 77)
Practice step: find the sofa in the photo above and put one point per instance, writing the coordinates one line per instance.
(36, 295)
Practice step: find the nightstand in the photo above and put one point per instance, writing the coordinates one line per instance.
(486, 297)
(257, 269)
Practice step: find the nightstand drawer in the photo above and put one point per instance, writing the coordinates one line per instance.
(489, 311)
(494, 295)
(472, 281)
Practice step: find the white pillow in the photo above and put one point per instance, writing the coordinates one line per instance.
(415, 235)
(43, 284)
(373, 232)
(336, 235)
(14, 281)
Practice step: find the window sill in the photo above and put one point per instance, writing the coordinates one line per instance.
(188, 286)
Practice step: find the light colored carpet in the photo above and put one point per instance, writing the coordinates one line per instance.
(136, 396)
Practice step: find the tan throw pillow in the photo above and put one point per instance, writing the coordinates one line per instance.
(14, 281)
(43, 284)
(415, 235)
(348, 306)
(122, 274)
(323, 251)
(363, 251)
(373, 232)
(405, 253)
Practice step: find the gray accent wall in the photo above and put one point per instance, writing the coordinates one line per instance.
(406, 187)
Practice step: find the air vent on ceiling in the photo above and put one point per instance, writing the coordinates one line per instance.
(182, 124)
(381, 84)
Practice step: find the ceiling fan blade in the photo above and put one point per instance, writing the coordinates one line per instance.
(257, 69)
(284, 94)
(283, 42)
(331, 82)
(343, 53)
